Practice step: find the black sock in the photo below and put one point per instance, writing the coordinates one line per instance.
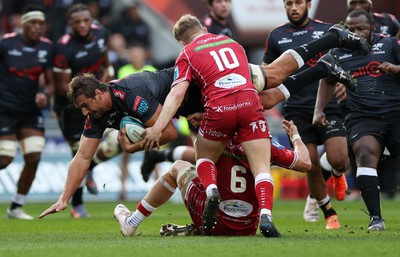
(326, 174)
(15, 206)
(329, 40)
(327, 213)
(370, 192)
(77, 197)
(169, 155)
(296, 82)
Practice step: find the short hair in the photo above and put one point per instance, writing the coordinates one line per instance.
(210, 2)
(76, 8)
(307, 1)
(32, 7)
(185, 27)
(358, 13)
(84, 84)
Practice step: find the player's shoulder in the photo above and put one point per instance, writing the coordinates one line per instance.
(10, 36)
(321, 23)
(46, 41)
(65, 39)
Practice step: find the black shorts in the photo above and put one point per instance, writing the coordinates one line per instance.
(10, 123)
(71, 122)
(385, 128)
(316, 135)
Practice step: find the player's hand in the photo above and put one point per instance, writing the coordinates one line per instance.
(319, 119)
(124, 141)
(289, 127)
(195, 119)
(388, 68)
(340, 92)
(152, 138)
(41, 100)
(57, 207)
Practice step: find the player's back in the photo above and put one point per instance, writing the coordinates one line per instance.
(219, 64)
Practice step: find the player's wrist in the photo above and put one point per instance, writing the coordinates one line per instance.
(295, 137)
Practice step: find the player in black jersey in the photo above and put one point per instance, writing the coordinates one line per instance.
(216, 21)
(373, 118)
(82, 50)
(384, 23)
(24, 57)
(300, 108)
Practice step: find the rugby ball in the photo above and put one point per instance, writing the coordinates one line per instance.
(134, 128)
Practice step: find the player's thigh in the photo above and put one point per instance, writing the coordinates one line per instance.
(209, 149)
(336, 152)
(258, 153)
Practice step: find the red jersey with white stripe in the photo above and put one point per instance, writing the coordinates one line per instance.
(217, 63)
(238, 213)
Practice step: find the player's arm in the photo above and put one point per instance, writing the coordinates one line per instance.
(76, 172)
(62, 77)
(168, 134)
(108, 69)
(326, 91)
(303, 162)
(171, 105)
(45, 92)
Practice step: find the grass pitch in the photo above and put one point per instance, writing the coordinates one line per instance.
(60, 235)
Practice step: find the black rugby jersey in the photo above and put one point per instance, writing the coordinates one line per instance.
(81, 55)
(215, 27)
(287, 37)
(21, 64)
(376, 93)
(138, 95)
(386, 24)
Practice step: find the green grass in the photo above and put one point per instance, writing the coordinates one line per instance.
(59, 235)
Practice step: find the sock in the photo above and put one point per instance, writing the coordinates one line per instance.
(264, 187)
(329, 40)
(207, 172)
(77, 197)
(168, 155)
(322, 205)
(18, 201)
(368, 182)
(177, 153)
(143, 210)
(326, 174)
(293, 83)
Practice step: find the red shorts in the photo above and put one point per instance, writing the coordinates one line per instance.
(195, 199)
(240, 112)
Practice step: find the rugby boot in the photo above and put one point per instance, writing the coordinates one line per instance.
(332, 222)
(337, 73)
(121, 213)
(177, 230)
(377, 224)
(210, 212)
(268, 228)
(350, 40)
(339, 187)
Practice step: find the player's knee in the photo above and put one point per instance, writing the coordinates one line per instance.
(109, 147)
(183, 172)
(33, 144)
(32, 159)
(8, 150)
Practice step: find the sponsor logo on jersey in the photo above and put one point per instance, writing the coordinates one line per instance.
(28, 49)
(140, 105)
(317, 34)
(230, 81)
(101, 44)
(370, 69)
(42, 54)
(377, 48)
(176, 73)
(345, 56)
(299, 33)
(81, 54)
(119, 94)
(15, 52)
(213, 44)
(88, 123)
(232, 107)
(236, 208)
(285, 41)
(384, 30)
(90, 45)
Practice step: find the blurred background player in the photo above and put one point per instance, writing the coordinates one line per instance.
(217, 19)
(24, 58)
(82, 50)
(300, 108)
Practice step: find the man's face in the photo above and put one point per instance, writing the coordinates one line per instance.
(359, 5)
(33, 29)
(93, 106)
(80, 23)
(297, 11)
(221, 9)
(360, 26)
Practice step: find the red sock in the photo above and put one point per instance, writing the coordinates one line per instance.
(265, 191)
(207, 172)
(145, 208)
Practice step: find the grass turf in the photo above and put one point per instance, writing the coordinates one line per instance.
(60, 235)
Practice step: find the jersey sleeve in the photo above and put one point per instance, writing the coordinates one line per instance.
(92, 128)
(281, 156)
(182, 69)
(396, 50)
(60, 57)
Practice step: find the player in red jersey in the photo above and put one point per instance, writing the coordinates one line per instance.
(238, 212)
(219, 65)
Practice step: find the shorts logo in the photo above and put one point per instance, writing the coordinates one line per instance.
(88, 123)
(119, 94)
(260, 124)
(236, 208)
(232, 107)
(140, 105)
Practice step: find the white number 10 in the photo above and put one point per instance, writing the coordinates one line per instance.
(222, 54)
